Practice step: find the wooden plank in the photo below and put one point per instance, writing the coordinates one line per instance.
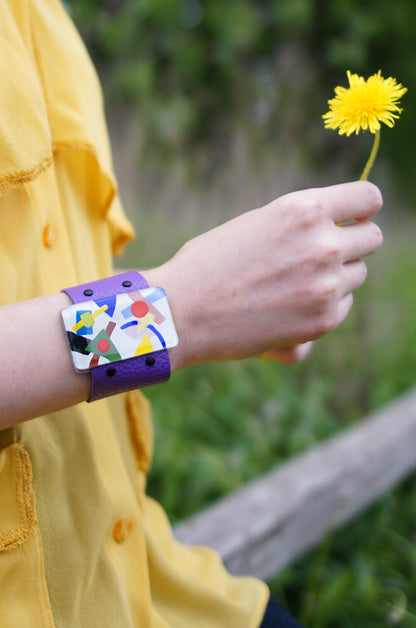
(268, 523)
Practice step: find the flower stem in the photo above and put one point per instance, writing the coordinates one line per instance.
(372, 157)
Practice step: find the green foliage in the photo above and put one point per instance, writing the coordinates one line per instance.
(367, 577)
(193, 69)
(233, 421)
(218, 426)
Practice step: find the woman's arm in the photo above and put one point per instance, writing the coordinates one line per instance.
(276, 276)
(36, 371)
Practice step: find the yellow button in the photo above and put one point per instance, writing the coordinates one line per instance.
(121, 530)
(48, 235)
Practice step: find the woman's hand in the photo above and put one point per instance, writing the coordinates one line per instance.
(276, 276)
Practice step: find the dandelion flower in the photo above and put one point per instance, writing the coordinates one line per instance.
(364, 106)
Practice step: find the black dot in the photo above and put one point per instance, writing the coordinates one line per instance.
(150, 360)
(126, 283)
(111, 371)
(88, 292)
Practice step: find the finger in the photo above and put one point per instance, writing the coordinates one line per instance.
(355, 275)
(344, 306)
(351, 201)
(337, 316)
(290, 354)
(359, 239)
(284, 355)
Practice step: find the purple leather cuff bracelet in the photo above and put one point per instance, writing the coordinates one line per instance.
(120, 375)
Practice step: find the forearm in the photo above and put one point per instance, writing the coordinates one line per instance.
(37, 374)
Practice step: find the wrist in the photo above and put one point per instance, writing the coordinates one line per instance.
(181, 355)
(120, 330)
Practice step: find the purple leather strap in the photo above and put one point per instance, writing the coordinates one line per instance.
(138, 372)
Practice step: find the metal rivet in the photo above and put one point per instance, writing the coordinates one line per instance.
(88, 292)
(111, 371)
(150, 360)
(126, 283)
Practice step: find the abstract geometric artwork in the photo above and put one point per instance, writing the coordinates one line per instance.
(119, 327)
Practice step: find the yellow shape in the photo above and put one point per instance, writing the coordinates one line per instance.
(100, 310)
(145, 346)
(87, 319)
(365, 104)
(143, 322)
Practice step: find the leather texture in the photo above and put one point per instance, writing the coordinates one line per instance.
(138, 372)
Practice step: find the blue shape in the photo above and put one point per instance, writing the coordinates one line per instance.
(110, 302)
(127, 312)
(83, 330)
(158, 334)
(129, 324)
(155, 295)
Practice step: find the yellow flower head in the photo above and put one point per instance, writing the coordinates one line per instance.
(364, 104)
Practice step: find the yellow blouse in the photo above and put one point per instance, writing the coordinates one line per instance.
(80, 544)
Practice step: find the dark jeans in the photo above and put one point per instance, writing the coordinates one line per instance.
(277, 617)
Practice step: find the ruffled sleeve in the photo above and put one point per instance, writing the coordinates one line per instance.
(25, 139)
(50, 104)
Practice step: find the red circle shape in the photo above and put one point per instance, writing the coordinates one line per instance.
(139, 309)
(103, 345)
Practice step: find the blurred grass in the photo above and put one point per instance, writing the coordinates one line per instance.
(364, 574)
(219, 425)
(194, 76)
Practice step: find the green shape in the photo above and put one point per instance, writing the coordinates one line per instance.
(112, 355)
